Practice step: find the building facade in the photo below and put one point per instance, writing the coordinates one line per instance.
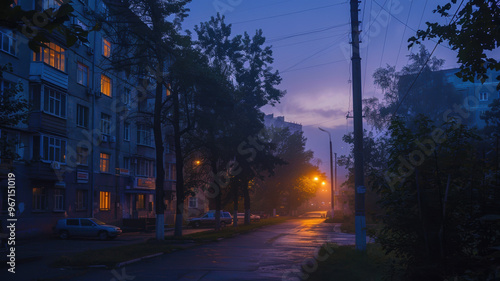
(82, 153)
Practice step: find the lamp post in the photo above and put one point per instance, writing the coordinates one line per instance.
(331, 167)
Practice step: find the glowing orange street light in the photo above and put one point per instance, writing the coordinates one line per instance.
(323, 183)
(197, 162)
(316, 178)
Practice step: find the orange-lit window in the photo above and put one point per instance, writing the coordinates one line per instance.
(104, 160)
(53, 56)
(104, 200)
(106, 48)
(106, 85)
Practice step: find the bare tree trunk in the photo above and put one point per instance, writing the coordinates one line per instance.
(218, 196)
(247, 203)
(235, 215)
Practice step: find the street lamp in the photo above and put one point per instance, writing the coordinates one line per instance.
(331, 165)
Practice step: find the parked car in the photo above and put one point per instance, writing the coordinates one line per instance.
(208, 219)
(85, 227)
(241, 217)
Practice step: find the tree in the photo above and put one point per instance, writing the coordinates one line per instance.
(437, 195)
(149, 41)
(292, 183)
(244, 66)
(419, 88)
(472, 31)
(37, 26)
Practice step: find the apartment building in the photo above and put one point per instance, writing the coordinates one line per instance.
(82, 152)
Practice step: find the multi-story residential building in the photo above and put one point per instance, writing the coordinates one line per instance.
(279, 122)
(81, 154)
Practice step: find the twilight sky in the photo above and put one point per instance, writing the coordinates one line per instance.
(311, 48)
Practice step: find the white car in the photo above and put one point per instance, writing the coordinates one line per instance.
(241, 217)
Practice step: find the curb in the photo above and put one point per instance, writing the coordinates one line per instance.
(137, 260)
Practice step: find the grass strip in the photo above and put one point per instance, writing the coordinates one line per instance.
(347, 264)
(228, 231)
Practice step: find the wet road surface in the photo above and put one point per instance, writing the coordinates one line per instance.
(271, 253)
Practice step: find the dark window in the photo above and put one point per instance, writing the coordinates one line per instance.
(72, 222)
(86, 222)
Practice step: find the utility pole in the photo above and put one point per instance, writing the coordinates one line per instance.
(331, 169)
(335, 188)
(359, 181)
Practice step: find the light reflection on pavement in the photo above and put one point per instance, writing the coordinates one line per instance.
(271, 253)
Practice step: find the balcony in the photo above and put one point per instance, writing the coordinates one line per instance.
(40, 71)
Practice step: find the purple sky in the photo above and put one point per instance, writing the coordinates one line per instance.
(310, 42)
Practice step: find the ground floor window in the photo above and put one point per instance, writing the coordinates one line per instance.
(81, 199)
(58, 199)
(140, 204)
(39, 199)
(193, 202)
(104, 201)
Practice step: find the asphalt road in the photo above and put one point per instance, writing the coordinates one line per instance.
(272, 253)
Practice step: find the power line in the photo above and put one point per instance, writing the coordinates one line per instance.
(316, 65)
(385, 37)
(423, 66)
(404, 31)
(291, 13)
(311, 40)
(276, 39)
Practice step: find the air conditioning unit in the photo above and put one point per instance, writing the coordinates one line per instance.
(112, 139)
(104, 138)
(55, 165)
(90, 51)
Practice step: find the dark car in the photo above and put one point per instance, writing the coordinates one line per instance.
(208, 219)
(85, 227)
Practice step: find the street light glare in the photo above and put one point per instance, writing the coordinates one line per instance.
(316, 178)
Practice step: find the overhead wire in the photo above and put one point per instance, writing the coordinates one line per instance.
(385, 36)
(290, 13)
(404, 31)
(423, 66)
(303, 33)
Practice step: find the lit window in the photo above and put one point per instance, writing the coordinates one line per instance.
(53, 56)
(106, 48)
(59, 199)
(140, 204)
(105, 124)
(54, 102)
(126, 132)
(82, 74)
(53, 149)
(39, 199)
(106, 85)
(104, 160)
(104, 200)
(8, 42)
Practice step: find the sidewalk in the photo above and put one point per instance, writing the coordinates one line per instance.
(36, 255)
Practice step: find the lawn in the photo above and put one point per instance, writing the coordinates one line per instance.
(346, 264)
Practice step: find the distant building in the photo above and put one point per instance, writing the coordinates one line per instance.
(279, 122)
(475, 96)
